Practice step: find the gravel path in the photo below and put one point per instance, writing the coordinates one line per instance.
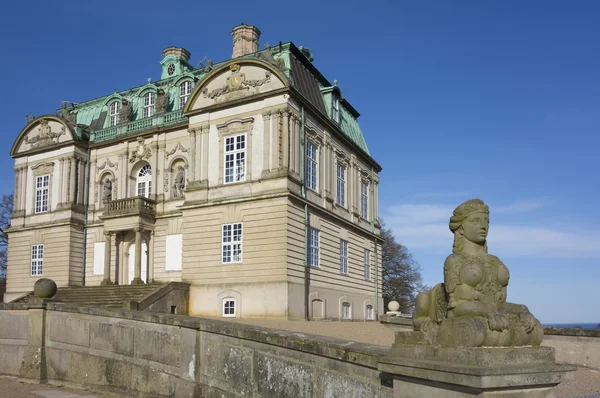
(586, 382)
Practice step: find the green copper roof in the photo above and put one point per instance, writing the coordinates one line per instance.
(301, 72)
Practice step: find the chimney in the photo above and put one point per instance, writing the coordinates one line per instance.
(245, 40)
(179, 52)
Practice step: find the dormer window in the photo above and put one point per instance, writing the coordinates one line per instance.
(148, 109)
(184, 93)
(114, 109)
(335, 108)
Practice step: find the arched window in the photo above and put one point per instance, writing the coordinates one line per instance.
(144, 181)
(148, 109)
(184, 93)
(114, 109)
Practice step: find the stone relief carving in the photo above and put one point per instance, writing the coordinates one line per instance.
(236, 126)
(207, 68)
(68, 114)
(125, 112)
(43, 168)
(267, 56)
(108, 163)
(162, 101)
(176, 148)
(29, 118)
(142, 152)
(166, 181)
(107, 190)
(45, 137)
(179, 183)
(236, 86)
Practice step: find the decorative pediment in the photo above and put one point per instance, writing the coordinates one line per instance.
(238, 79)
(236, 126)
(43, 132)
(176, 148)
(142, 151)
(43, 168)
(109, 164)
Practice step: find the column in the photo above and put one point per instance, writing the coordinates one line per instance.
(151, 257)
(137, 270)
(293, 143)
(192, 152)
(81, 181)
(267, 148)
(17, 193)
(285, 147)
(155, 170)
(73, 172)
(24, 183)
(61, 184)
(376, 215)
(107, 246)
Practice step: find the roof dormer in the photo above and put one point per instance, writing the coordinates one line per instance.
(175, 62)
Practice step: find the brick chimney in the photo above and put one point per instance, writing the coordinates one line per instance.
(179, 52)
(245, 40)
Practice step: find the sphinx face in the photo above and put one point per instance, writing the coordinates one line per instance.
(475, 227)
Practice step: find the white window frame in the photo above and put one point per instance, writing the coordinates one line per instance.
(367, 264)
(364, 199)
(231, 314)
(235, 146)
(148, 108)
(341, 185)
(344, 256)
(143, 183)
(311, 166)
(369, 313)
(231, 243)
(113, 111)
(346, 310)
(42, 192)
(37, 260)
(313, 247)
(335, 107)
(185, 89)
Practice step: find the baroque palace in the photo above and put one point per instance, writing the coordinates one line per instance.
(249, 179)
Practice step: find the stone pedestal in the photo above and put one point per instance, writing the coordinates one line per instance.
(457, 372)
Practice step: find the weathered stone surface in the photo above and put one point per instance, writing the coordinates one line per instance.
(227, 363)
(14, 327)
(45, 288)
(76, 367)
(133, 377)
(69, 330)
(113, 337)
(334, 385)
(158, 345)
(11, 359)
(277, 377)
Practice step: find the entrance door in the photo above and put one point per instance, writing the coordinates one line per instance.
(131, 270)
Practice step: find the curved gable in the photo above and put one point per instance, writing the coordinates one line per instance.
(236, 79)
(43, 132)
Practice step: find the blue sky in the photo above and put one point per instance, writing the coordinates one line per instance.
(492, 99)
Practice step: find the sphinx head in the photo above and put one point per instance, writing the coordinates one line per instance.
(470, 221)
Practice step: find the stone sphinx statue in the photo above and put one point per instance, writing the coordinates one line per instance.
(470, 308)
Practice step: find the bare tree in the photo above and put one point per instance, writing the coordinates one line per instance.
(401, 274)
(6, 208)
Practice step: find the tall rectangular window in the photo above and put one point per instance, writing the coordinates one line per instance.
(343, 256)
(367, 264)
(346, 313)
(114, 113)
(229, 307)
(235, 158)
(364, 200)
(369, 313)
(37, 259)
(335, 108)
(311, 166)
(313, 249)
(232, 243)
(341, 185)
(41, 193)
(148, 109)
(184, 93)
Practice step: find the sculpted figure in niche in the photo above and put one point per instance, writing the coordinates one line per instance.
(179, 182)
(107, 190)
(162, 101)
(125, 112)
(470, 307)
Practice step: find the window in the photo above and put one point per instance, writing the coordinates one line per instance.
(184, 93)
(367, 264)
(346, 314)
(335, 108)
(235, 158)
(232, 243)
(114, 113)
(144, 181)
(311, 166)
(364, 200)
(343, 256)
(229, 307)
(341, 185)
(148, 109)
(37, 259)
(369, 313)
(41, 193)
(313, 254)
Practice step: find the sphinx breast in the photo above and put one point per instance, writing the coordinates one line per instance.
(503, 275)
(472, 274)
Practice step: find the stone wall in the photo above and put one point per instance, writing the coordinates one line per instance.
(575, 346)
(176, 356)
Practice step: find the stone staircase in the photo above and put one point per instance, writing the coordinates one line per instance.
(115, 296)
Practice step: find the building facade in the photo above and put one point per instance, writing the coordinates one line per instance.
(249, 178)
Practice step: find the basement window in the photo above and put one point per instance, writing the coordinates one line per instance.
(229, 307)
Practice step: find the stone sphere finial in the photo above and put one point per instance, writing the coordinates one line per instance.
(393, 306)
(45, 288)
